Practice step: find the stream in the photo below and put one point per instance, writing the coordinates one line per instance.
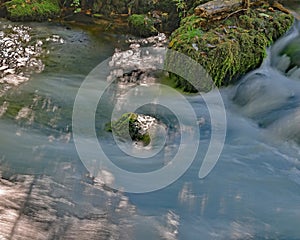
(46, 191)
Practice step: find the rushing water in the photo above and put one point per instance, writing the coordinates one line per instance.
(252, 193)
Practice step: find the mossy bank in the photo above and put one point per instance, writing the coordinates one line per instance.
(32, 10)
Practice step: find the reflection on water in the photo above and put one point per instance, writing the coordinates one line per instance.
(46, 193)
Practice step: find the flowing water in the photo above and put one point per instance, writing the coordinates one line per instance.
(252, 193)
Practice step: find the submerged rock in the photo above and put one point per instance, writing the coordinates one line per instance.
(64, 207)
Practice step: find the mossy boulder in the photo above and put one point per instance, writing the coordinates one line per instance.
(134, 126)
(32, 10)
(230, 47)
(142, 25)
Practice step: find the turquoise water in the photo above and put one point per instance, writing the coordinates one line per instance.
(252, 193)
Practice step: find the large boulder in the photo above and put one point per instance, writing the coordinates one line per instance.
(228, 47)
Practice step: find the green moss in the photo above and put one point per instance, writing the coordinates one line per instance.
(32, 10)
(142, 25)
(146, 139)
(122, 126)
(231, 47)
(128, 123)
(292, 50)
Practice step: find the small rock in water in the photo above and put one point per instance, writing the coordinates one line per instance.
(134, 126)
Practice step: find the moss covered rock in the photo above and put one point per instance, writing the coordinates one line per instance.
(230, 47)
(32, 10)
(134, 126)
(142, 25)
